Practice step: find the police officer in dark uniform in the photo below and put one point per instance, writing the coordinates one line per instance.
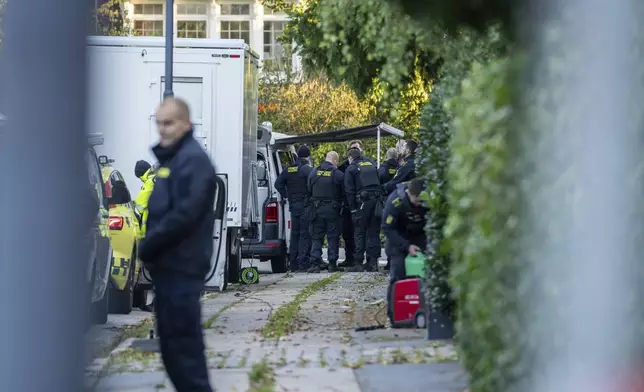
(292, 184)
(403, 221)
(325, 185)
(386, 172)
(407, 169)
(389, 168)
(364, 193)
(347, 228)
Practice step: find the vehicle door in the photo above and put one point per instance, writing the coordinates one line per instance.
(124, 229)
(281, 160)
(264, 190)
(102, 256)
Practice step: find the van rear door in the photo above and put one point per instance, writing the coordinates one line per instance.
(282, 159)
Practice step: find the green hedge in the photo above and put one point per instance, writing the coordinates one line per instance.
(433, 159)
(482, 226)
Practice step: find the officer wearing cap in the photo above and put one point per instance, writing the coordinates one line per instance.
(363, 191)
(403, 221)
(292, 184)
(325, 185)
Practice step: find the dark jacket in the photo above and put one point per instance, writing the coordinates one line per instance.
(181, 217)
(406, 172)
(403, 223)
(388, 170)
(337, 180)
(298, 185)
(354, 181)
(343, 168)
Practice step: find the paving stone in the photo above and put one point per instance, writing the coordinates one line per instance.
(131, 381)
(431, 377)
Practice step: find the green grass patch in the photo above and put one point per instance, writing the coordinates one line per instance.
(261, 377)
(211, 320)
(282, 321)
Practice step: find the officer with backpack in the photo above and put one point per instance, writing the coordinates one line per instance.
(364, 193)
(325, 186)
(292, 184)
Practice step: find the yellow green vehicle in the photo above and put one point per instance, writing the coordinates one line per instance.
(123, 223)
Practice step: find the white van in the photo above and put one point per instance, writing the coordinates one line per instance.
(273, 234)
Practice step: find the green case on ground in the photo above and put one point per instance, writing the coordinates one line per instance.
(415, 265)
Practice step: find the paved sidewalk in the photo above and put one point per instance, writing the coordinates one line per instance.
(322, 352)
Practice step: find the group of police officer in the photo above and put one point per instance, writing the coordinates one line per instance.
(348, 199)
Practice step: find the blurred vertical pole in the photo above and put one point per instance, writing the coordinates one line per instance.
(42, 88)
(169, 47)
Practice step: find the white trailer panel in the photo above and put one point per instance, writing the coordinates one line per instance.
(219, 81)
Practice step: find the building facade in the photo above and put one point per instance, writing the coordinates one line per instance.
(249, 20)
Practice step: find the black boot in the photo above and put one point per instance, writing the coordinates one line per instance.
(313, 270)
(357, 268)
(332, 267)
(371, 267)
(346, 264)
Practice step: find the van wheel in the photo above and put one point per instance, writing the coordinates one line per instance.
(279, 264)
(121, 300)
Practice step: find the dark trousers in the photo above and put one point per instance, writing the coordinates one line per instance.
(396, 272)
(367, 233)
(325, 222)
(300, 245)
(178, 316)
(348, 233)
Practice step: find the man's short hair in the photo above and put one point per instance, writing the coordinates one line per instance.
(415, 186)
(411, 145)
(354, 153)
(332, 156)
(352, 142)
(182, 107)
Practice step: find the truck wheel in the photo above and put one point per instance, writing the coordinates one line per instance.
(421, 320)
(234, 260)
(279, 264)
(121, 300)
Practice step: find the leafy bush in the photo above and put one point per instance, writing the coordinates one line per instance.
(482, 225)
(433, 159)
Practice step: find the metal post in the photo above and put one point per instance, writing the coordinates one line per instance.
(44, 136)
(169, 47)
(378, 144)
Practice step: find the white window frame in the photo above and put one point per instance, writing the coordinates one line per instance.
(149, 18)
(250, 4)
(250, 17)
(273, 36)
(192, 18)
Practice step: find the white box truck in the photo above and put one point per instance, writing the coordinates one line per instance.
(219, 81)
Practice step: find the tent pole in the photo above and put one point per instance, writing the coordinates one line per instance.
(378, 144)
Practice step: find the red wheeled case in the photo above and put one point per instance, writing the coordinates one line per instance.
(408, 304)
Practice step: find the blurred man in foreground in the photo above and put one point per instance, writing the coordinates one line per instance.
(178, 244)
